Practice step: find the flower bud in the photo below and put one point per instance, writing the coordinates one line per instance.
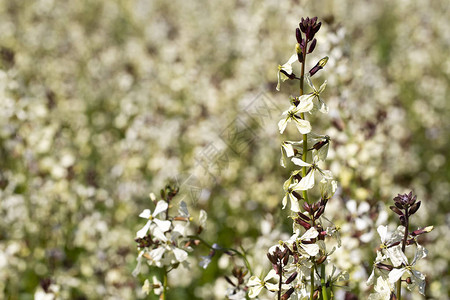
(408, 280)
(298, 48)
(288, 293)
(422, 230)
(304, 217)
(396, 210)
(298, 35)
(291, 278)
(318, 66)
(414, 208)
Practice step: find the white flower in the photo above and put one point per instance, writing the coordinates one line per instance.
(287, 67)
(168, 246)
(307, 182)
(288, 187)
(256, 285)
(320, 105)
(395, 254)
(310, 249)
(383, 290)
(156, 287)
(417, 278)
(303, 126)
(146, 214)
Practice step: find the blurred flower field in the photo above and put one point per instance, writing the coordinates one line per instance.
(103, 102)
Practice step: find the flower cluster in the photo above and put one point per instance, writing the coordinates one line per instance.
(164, 241)
(391, 263)
(297, 261)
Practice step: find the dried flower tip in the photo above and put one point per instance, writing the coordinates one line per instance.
(316, 295)
(408, 280)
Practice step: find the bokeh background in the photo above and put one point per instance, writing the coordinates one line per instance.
(102, 102)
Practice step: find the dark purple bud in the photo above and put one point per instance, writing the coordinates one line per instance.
(298, 35)
(302, 223)
(408, 280)
(396, 210)
(302, 26)
(288, 293)
(307, 208)
(414, 208)
(313, 20)
(319, 212)
(309, 34)
(312, 46)
(317, 27)
(399, 205)
(272, 258)
(291, 278)
(304, 217)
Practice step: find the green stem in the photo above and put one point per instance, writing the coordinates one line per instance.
(165, 285)
(311, 295)
(302, 115)
(323, 282)
(405, 239)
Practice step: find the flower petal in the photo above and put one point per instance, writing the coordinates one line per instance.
(143, 232)
(160, 207)
(396, 274)
(306, 183)
(303, 126)
(163, 225)
(146, 213)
